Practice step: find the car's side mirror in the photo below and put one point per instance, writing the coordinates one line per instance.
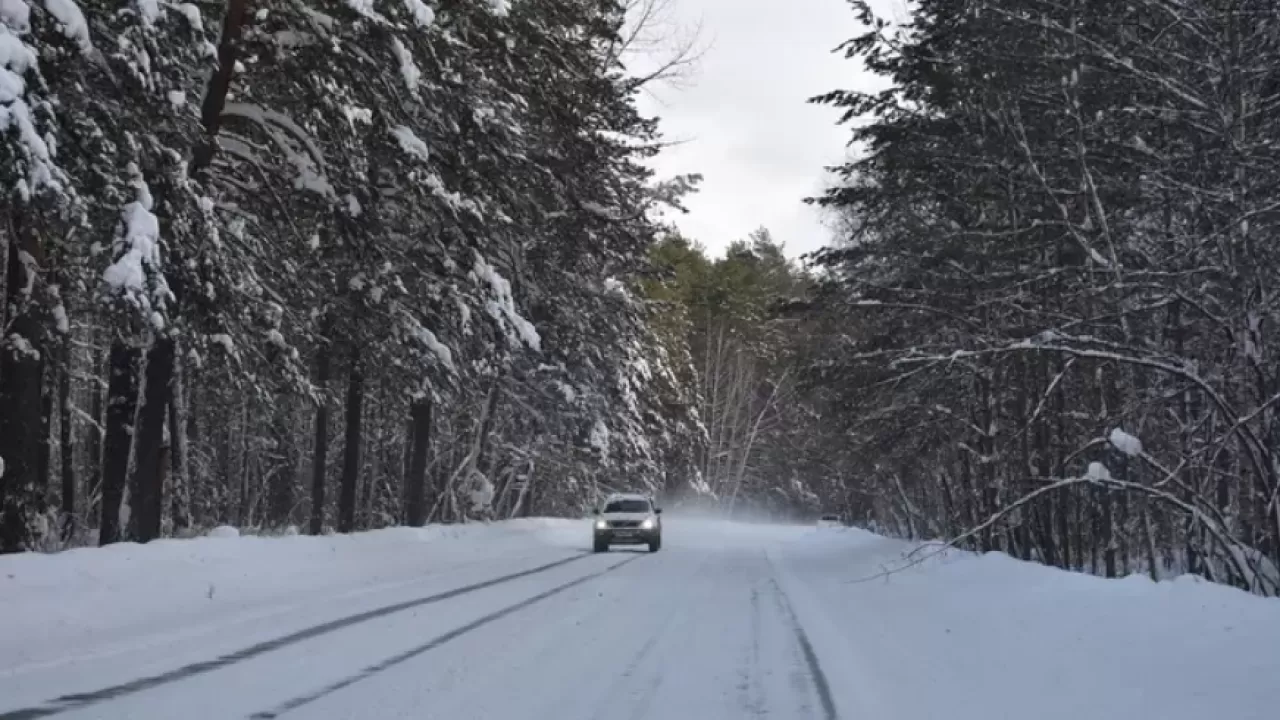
(657, 511)
(595, 511)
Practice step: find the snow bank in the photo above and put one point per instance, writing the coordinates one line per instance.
(969, 636)
(97, 600)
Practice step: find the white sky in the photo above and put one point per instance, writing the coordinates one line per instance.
(743, 118)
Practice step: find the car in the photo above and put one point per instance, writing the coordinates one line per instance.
(830, 521)
(627, 519)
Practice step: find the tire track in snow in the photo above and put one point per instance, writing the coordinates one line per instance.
(430, 645)
(818, 677)
(750, 693)
(74, 701)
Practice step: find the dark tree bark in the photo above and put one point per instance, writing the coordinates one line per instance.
(320, 451)
(66, 442)
(147, 483)
(21, 388)
(244, 511)
(21, 443)
(178, 424)
(215, 96)
(284, 461)
(420, 421)
(122, 402)
(93, 445)
(45, 456)
(351, 449)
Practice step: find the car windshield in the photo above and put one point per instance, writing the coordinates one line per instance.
(627, 506)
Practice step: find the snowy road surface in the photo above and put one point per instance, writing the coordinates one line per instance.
(517, 621)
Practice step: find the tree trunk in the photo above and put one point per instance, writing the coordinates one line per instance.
(122, 402)
(320, 451)
(420, 419)
(93, 446)
(244, 511)
(180, 494)
(215, 96)
(21, 444)
(146, 489)
(351, 450)
(284, 464)
(45, 456)
(66, 443)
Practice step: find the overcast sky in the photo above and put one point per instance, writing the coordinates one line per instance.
(744, 121)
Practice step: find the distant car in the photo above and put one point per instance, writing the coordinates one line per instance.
(627, 519)
(830, 521)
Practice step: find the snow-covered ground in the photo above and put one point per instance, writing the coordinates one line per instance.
(517, 620)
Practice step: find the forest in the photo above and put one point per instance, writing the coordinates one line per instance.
(324, 265)
(342, 264)
(1053, 295)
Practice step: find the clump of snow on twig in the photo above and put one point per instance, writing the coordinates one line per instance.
(422, 13)
(365, 8)
(139, 258)
(409, 69)
(481, 493)
(1098, 471)
(599, 438)
(411, 143)
(16, 14)
(502, 306)
(74, 26)
(149, 11)
(1126, 443)
(192, 14)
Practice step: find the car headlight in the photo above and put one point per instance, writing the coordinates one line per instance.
(647, 524)
(601, 525)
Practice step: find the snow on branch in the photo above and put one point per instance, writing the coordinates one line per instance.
(310, 166)
(74, 26)
(502, 306)
(409, 69)
(1125, 443)
(422, 13)
(17, 60)
(364, 8)
(428, 340)
(409, 142)
(136, 275)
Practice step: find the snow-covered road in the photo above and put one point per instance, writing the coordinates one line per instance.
(517, 621)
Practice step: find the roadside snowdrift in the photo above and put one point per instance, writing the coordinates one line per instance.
(969, 636)
(83, 600)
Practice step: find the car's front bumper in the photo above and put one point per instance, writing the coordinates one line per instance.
(627, 536)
